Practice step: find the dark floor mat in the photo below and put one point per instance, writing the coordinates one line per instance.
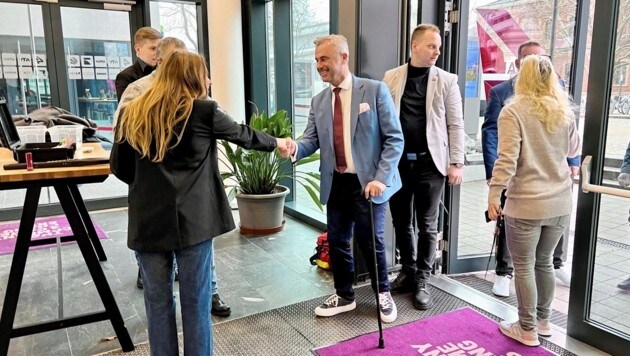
(557, 318)
(295, 330)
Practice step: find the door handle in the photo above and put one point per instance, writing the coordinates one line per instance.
(587, 187)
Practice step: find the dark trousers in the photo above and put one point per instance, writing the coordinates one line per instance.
(348, 214)
(504, 257)
(421, 192)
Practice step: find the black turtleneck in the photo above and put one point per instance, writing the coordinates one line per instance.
(413, 114)
(146, 69)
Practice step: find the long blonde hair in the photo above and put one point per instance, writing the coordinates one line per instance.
(150, 122)
(537, 85)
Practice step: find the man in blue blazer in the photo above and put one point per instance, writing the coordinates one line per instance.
(497, 97)
(355, 126)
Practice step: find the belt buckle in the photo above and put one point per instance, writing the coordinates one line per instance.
(412, 157)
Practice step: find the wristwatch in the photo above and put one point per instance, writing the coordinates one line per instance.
(458, 165)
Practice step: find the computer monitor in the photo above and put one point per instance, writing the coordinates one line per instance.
(8, 133)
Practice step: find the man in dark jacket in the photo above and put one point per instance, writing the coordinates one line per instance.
(145, 42)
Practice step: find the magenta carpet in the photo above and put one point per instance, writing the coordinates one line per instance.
(459, 332)
(44, 228)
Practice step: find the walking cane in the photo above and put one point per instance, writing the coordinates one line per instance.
(381, 342)
(497, 231)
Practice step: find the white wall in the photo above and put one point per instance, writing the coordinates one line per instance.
(225, 34)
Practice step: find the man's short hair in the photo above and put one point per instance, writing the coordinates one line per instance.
(146, 34)
(528, 44)
(422, 28)
(340, 42)
(168, 44)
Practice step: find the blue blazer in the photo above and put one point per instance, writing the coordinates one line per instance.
(497, 97)
(376, 136)
(625, 167)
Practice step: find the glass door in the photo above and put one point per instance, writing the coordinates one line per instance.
(489, 34)
(600, 297)
(94, 55)
(24, 82)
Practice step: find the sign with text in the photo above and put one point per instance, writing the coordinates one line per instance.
(100, 61)
(24, 60)
(88, 73)
(9, 59)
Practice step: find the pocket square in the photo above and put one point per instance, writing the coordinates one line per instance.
(363, 107)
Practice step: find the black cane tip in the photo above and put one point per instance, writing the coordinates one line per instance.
(381, 344)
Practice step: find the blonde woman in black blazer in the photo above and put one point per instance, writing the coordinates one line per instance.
(166, 152)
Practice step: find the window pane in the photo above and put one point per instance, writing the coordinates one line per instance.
(176, 19)
(311, 19)
(495, 32)
(24, 65)
(271, 64)
(94, 56)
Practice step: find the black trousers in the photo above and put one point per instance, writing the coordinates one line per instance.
(421, 193)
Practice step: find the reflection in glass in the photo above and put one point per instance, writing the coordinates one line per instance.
(311, 19)
(24, 80)
(94, 56)
(176, 19)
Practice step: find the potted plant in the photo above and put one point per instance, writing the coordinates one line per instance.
(254, 177)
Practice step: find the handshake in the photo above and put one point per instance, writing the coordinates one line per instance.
(286, 147)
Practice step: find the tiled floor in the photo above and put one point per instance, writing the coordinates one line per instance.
(255, 275)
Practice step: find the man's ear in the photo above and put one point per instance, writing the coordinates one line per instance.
(137, 47)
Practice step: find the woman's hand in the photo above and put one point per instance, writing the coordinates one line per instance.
(494, 210)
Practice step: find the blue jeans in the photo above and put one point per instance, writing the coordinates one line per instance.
(348, 214)
(215, 289)
(194, 286)
(532, 243)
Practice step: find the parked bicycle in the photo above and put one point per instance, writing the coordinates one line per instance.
(621, 104)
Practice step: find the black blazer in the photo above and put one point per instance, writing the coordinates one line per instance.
(128, 76)
(181, 201)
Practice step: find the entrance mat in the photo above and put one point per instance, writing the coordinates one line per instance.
(295, 330)
(480, 284)
(53, 226)
(459, 332)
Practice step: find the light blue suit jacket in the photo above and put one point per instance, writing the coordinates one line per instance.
(377, 139)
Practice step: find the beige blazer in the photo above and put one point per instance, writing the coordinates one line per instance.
(445, 122)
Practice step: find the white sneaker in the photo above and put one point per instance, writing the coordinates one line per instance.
(501, 286)
(389, 313)
(335, 305)
(543, 327)
(514, 331)
(562, 277)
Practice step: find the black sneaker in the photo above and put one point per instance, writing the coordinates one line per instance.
(335, 305)
(403, 283)
(139, 283)
(219, 307)
(389, 313)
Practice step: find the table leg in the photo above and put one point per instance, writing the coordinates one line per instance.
(87, 222)
(16, 275)
(71, 209)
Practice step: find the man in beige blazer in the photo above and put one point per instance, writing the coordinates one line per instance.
(430, 107)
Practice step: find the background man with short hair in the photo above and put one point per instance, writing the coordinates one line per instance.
(145, 45)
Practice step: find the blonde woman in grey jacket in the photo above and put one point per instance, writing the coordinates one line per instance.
(537, 133)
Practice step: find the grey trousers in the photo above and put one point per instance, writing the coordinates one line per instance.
(532, 243)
